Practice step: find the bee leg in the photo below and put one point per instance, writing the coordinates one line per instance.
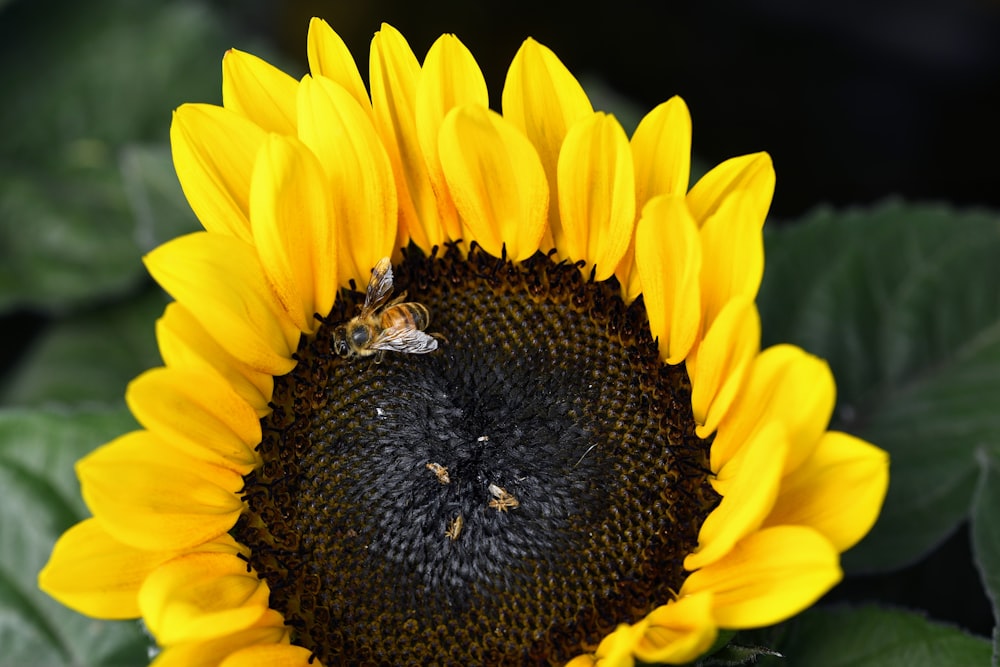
(378, 356)
(440, 337)
(399, 299)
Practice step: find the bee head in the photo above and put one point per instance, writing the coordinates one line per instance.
(360, 336)
(340, 345)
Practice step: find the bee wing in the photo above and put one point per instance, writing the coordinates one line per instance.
(379, 287)
(405, 339)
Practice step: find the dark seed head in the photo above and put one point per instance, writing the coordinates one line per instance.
(575, 484)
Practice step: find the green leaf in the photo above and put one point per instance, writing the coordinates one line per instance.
(113, 70)
(67, 236)
(871, 637)
(986, 535)
(736, 653)
(82, 198)
(903, 302)
(158, 207)
(41, 499)
(89, 358)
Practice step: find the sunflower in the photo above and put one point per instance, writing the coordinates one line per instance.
(445, 385)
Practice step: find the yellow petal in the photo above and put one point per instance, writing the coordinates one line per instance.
(153, 497)
(268, 631)
(197, 414)
(749, 483)
(733, 248)
(96, 575)
(200, 596)
(543, 100)
(185, 344)
(628, 274)
(753, 173)
(783, 384)
(596, 194)
(213, 150)
(661, 146)
(661, 152)
(329, 57)
(220, 281)
(719, 364)
(450, 78)
(615, 650)
(838, 490)
(770, 576)
(496, 181)
(358, 178)
(394, 73)
(272, 655)
(258, 90)
(668, 257)
(678, 632)
(293, 230)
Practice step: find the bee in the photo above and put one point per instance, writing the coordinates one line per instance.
(396, 326)
(502, 501)
(454, 528)
(440, 471)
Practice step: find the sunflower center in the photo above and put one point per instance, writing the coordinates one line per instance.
(508, 498)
